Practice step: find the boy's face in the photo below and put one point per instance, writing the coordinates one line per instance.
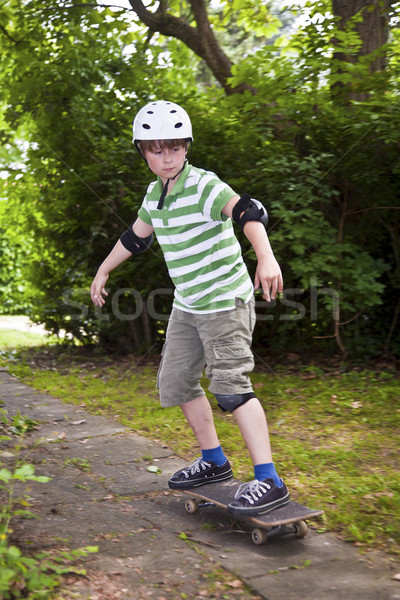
(166, 162)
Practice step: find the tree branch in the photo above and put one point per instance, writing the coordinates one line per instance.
(200, 39)
(363, 210)
(167, 25)
(4, 30)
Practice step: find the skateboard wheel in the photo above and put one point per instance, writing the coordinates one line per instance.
(301, 529)
(191, 506)
(259, 536)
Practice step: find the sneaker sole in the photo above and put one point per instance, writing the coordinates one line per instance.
(184, 485)
(258, 511)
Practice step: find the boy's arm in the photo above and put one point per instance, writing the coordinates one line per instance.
(268, 273)
(117, 255)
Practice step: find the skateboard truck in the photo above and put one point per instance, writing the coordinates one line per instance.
(261, 536)
(192, 505)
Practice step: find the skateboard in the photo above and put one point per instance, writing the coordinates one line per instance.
(285, 520)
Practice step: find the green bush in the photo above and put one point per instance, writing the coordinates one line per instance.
(324, 164)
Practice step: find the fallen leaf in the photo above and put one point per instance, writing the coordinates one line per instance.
(78, 422)
(153, 469)
(378, 495)
(235, 584)
(356, 404)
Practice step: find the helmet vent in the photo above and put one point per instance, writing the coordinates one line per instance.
(146, 126)
(178, 125)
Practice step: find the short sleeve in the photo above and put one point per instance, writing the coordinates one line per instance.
(144, 215)
(216, 195)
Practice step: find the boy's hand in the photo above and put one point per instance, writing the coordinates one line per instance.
(269, 277)
(97, 289)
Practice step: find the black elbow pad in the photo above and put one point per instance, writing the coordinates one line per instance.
(252, 210)
(133, 243)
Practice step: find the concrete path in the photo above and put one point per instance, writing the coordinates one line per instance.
(102, 493)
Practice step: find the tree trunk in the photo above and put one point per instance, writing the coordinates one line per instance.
(373, 30)
(148, 338)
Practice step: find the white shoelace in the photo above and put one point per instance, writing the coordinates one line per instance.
(196, 466)
(252, 491)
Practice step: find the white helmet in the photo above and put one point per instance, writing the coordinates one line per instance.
(162, 120)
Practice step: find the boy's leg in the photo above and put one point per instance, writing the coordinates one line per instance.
(267, 491)
(226, 338)
(199, 415)
(253, 426)
(213, 465)
(179, 384)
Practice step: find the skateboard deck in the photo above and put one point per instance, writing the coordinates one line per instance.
(280, 521)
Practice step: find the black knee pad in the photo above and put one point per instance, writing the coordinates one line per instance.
(229, 402)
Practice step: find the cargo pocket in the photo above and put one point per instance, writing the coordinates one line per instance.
(232, 361)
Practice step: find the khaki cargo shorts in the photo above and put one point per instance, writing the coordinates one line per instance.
(219, 342)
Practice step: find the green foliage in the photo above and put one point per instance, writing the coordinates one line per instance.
(17, 424)
(78, 81)
(330, 179)
(14, 251)
(35, 577)
(324, 163)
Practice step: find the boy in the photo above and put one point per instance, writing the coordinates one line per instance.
(213, 317)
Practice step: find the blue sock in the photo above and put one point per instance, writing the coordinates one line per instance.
(216, 455)
(267, 471)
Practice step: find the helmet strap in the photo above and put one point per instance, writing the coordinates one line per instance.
(165, 188)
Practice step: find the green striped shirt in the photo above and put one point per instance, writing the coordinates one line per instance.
(203, 256)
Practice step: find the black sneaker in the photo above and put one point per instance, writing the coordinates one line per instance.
(199, 473)
(258, 497)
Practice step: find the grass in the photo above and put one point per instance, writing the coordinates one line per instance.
(334, 435)
(10, 339)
